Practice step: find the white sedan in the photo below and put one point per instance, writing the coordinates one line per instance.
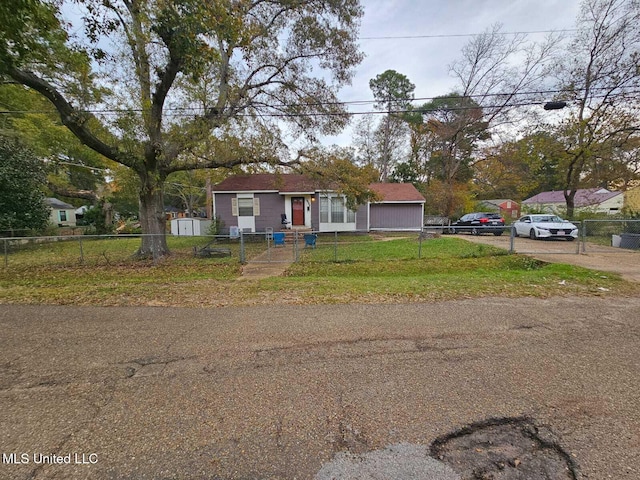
(545, 226)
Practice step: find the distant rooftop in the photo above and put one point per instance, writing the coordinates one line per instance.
(58, 204)
(584, 197)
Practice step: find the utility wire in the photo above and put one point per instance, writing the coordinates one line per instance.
(194, 111)
(454, 35)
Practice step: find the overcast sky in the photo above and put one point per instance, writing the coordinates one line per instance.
(425, 61)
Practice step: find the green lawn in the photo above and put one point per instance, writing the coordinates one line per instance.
(104, 272)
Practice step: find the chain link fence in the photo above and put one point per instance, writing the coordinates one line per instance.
(596, 236)
(312, 246)
(101, 250)
(606, 236)
(261, 247)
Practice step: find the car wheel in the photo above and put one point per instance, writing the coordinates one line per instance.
(497, 234)
(532, 234)
(474, 231)
(570, 239)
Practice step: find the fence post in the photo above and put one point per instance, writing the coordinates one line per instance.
(269, 237)
(420, 245)
(81, 250)
(583, 234)
(512, 239)
(335, 247)
(242, 257)
(6, 254)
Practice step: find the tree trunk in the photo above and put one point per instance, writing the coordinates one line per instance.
(152, 220)
(570, 199)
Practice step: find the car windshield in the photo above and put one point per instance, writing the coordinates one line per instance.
(547, 219)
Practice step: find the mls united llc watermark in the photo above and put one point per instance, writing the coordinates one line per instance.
(50, 458)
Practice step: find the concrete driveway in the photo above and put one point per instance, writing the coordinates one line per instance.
(281, 392)
(608, 259)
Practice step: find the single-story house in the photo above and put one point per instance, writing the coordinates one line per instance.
(596, 200)
(62, 214)
(256, 202)
(505, 207)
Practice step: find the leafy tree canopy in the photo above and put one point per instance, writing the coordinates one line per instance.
(174, 85)
(21, 199)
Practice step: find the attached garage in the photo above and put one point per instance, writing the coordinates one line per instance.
(400, 208)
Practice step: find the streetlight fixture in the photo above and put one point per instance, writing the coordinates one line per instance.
(555, 105)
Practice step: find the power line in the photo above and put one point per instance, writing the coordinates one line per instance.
(194, 111)
(455, 35)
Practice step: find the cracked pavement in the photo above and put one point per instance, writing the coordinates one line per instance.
(279, 392)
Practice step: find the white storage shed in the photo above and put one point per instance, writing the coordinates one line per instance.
(190, 226)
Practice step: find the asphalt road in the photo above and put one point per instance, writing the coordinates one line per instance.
(281, 392)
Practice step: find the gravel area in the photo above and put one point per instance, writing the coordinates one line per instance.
(287, 392)
(607, 259)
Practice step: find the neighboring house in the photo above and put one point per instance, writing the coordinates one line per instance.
(172, 212)
(505, 207)
(256, 202)
(62, 214)
(595, 200)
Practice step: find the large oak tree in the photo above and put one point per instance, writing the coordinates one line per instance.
(162, 86)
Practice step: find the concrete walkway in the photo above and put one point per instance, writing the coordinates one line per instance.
(271, 263)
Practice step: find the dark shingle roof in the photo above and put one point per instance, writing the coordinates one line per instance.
(282, 183)
(297, 183)
(397, 192)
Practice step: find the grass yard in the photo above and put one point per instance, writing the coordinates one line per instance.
(367, 270)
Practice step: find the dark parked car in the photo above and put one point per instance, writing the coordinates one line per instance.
(477, 223)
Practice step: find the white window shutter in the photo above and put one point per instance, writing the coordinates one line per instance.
(256, 207)
(234, 207)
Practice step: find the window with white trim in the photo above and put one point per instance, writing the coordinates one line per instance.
(324, 209)
(333, 209)
(245, 207)
(337, 210)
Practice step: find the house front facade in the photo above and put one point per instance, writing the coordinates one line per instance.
(255, 203)
(594, 200)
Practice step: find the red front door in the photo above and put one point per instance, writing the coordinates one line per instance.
(297, 211)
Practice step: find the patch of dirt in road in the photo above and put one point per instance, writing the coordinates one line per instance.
(505, 449)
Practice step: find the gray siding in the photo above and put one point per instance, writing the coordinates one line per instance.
(223, 210)
(271, 209)
(315, 212)
(361, 218)
(396, 216)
